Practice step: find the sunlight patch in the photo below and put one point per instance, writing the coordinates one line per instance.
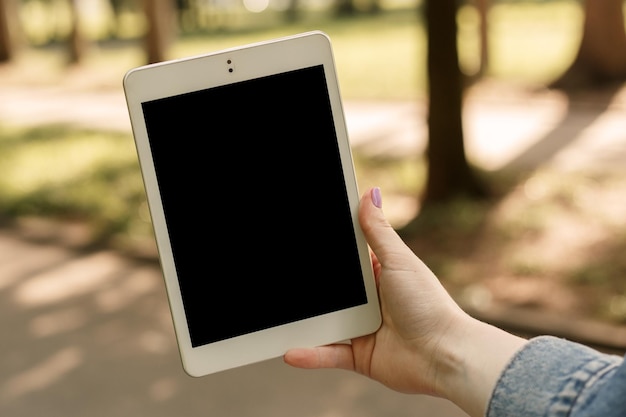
(44, 374)
(76, 278)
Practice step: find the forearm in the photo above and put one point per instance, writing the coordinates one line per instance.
(473, 356)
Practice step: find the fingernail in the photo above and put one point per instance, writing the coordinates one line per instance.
(377, 198)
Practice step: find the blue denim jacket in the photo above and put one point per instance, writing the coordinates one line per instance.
(554, 377)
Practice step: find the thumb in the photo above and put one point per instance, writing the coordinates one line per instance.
(383, 240)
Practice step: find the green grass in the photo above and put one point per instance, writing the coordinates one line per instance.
(534, 42)
(376, 57)
(68, 174)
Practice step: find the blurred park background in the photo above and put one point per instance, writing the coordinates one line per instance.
(496, 129)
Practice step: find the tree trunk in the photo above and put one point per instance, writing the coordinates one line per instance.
(601, 57)
(449, 174)
(482, 7)
(160, 17)
(292, 11)
(8, 30)
(344, 8)
(77, 43)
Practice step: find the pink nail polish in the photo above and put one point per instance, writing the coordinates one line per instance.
(377, 198)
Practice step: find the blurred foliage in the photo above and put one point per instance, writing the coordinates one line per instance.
(379, 55)
(399, 176)
(603, 278)
(556, 239)
(66, 173)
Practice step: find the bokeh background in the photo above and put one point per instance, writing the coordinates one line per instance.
(496, 129)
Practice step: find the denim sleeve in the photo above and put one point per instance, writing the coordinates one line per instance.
(552, 377)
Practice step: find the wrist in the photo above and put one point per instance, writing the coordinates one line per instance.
(471, 358)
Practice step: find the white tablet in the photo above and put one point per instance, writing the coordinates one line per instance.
(249, 178)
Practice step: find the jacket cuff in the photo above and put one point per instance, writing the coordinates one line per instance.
(547, 376)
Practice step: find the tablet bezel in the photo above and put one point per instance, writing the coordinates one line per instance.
(187, 75)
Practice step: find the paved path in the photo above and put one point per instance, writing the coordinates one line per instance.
(89, 333)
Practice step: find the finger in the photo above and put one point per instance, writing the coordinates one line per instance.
(332, 356)
(376, 266)
(388, 247)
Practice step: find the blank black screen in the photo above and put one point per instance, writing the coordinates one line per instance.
(255, 204)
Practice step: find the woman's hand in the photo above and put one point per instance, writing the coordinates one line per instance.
(423, 344)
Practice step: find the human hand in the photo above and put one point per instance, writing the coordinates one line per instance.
(426, 344)
(416, 312)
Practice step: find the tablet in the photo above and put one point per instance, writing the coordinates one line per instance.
(253, 197)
